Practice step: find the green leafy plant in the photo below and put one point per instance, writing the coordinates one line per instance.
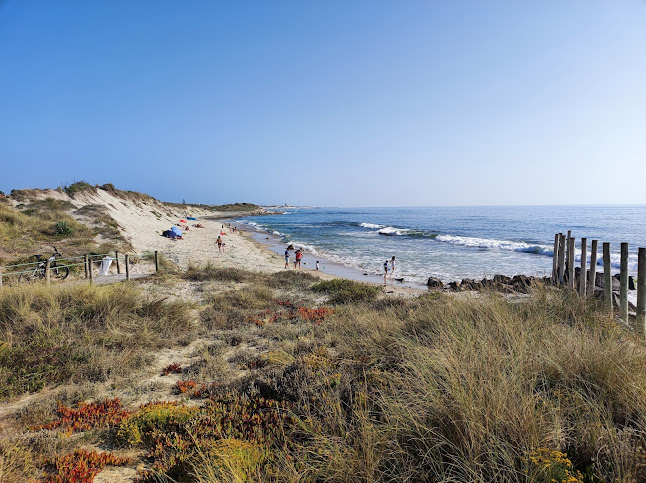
(61, 228)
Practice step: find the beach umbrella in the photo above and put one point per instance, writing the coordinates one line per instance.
(177, 231)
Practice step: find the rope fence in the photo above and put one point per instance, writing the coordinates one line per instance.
(53, 267)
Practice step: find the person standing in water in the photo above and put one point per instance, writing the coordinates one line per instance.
(385, 271)
(392, 266)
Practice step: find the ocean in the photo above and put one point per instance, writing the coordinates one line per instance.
(450, 243)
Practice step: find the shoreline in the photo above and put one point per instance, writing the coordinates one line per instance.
(274, 245)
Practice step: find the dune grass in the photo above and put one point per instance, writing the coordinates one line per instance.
(432, 388)
(81, 333)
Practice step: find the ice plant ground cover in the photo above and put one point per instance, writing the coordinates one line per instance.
(432, 387)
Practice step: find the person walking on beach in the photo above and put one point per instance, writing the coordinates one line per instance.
(287, 258)
(385, 271)
(219, 241)
(299, 256)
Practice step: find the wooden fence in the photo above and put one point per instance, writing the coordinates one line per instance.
(563, 272)
(48, 269)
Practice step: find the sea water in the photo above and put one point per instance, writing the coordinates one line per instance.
(452, 243)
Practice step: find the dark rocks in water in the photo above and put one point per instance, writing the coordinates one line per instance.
(399, 279)
(454, 286)
(471, 284)
(501, 279)
(434, 283)
(598, 281)
(522, 283)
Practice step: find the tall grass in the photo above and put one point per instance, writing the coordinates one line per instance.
(464, 390)
(81, 333)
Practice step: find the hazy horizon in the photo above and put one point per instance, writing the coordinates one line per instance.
(349, 104)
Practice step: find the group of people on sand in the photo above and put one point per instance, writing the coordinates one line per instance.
(298, 257)
(389, 268)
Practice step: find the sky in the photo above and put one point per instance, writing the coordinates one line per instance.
(328, 103)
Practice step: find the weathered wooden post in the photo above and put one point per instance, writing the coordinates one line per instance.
(555, 259)
(592, 276)
(47, 266)
(584, 268)
(607, 278)
(570, 263)
(640, 323)
(127, 267)
(0, 278)
(561, 258)
(89, 269)
(86, 265)
(156, 262)
(116, 259)
(567, 253)
(623, 283)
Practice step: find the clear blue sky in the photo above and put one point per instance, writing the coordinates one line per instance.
(333, 103)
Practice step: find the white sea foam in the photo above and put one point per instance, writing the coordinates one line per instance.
(372, 226)
(391, 231)
(474, 242)
(305, 246)
(276, 232)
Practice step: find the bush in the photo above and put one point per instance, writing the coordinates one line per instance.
(61, 228)
(342, 291)
(209, 271)
(291, 279)
(77, 187)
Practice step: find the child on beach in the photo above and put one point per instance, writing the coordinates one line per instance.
(299, 256)
(392, 265)
(287, 258)
(385, 271)
(219, 241)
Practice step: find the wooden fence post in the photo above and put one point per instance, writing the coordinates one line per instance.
(555, 259)
(47, 265)
(570, 264)
(561, 258)
(127, 267)
(567, 251)
(86, 265)
(584, 269)
(0, 278)
(89, 269)
(592, 276)
(116, 258)
(640, 323)
(607, 278)
(156, 262)
(623, 283)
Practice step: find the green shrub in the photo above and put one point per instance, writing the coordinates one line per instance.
(291, 279)
(209, 271)
(77, 187)
(61, 228)
(341, 291)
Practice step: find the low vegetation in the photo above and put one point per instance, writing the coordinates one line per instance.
(360, 387)
(81, 333)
